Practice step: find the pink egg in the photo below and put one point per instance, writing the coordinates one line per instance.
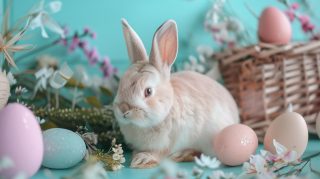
(289, 129)
(274, 27)
(20, 141)
(235, 144)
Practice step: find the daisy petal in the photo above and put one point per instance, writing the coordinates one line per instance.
(214, 163)
(280, 149)
(199, 162)
(53, 25)
(57, 81)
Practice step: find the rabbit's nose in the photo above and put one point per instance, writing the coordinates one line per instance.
(124, 107)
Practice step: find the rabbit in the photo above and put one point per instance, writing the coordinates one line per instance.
(163, 115)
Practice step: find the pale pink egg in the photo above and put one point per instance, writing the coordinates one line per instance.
(274, 27)
(21, 143)
(289, 129)
(235, 144)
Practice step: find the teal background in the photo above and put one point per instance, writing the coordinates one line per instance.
(103, 16)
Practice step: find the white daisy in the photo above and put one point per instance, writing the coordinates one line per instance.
(40, 18)
(207, 161)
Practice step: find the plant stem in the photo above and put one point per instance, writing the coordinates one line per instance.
(48, 98)
(75, 95)
(304, 160)
(310, 156)
(5, 65)
(57, 98)
(47, 46)
(307, 158)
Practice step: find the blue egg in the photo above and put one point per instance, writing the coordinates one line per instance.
(62, 148)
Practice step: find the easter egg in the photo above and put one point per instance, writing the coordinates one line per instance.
(289, 129)
(4, 89)
(274, 27)
(235, 144)
(62, 148)
(20, 141)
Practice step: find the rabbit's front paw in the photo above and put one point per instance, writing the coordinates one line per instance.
(184, 156)
(143, 160)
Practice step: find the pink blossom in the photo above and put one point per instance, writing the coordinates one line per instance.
(62, 41)
(93, 35)
(290, 14)
(93, 56)
(306, 24)
(65, 30)
(294, 6)
(85, 48)
(308, 27)
(265, 163)
(87, 30)
(83, 44)
(107, 68)
(74, 43)
(304, 19)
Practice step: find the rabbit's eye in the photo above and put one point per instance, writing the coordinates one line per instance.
(147, 92)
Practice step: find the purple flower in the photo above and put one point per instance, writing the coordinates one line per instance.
(107, 68)
(83, 44)
(65, 30)
(308, 27)
(74, 43)
(290, 14)
(304, 19)
(87, 30)
(85, 47)
(294, 6)
(93, 56)
(62, 41)
(306, 24)
(93, 35)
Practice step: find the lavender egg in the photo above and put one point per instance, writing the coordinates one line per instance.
(62, 148)
(21, 145)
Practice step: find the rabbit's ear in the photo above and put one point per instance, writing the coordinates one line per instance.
(136, 50)
(165, 45)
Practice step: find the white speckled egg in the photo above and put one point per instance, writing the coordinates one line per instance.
(289, 129)
(62, 148)
(4, 89)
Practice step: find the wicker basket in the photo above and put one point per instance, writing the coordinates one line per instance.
(264, 79)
